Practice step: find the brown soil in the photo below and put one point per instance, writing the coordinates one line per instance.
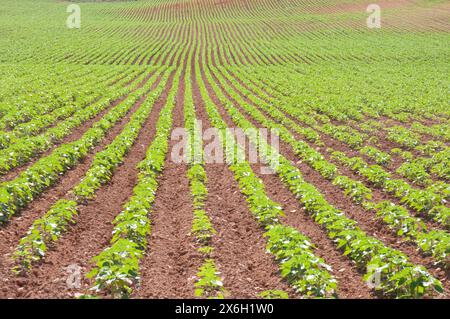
(167, 271)
(350, 281)
(93, 229)
(365, 220)
(239, 243)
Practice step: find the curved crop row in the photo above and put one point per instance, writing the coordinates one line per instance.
(397, 276)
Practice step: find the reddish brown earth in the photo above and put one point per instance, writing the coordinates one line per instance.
(239, 243)
(170, 266)
(351, 284)
(366, 222)
(93, 229)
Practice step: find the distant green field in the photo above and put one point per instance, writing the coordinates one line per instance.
(356, 201)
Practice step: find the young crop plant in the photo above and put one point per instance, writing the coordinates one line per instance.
(354, 189)
(379, 157)
(403, 137)
(440, 188)
(49, 228)
(442, 169)
(431, 147)
(210, 284)
(370, 126)
(44, 231)
(345, 134)
(274, 294)
(415, 172)
(317, 281)
(399, 219)
(399, 278)
(202, 228)
(116, 269)
(298, 264)
(436, 244)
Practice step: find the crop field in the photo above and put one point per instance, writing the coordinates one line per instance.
(225, 149)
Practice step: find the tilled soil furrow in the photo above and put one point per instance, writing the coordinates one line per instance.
(378, 194)
(93, 229)
(239, 245)
(366, 221)
(169, 268)
(167, 271)
(350, 282)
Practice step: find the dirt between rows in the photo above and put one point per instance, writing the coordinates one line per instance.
(172, 260)
(365, 220)
(334, 144)
(169, 269)
(246, 268)
(349, 279)
(91, 233)
(73, 136)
